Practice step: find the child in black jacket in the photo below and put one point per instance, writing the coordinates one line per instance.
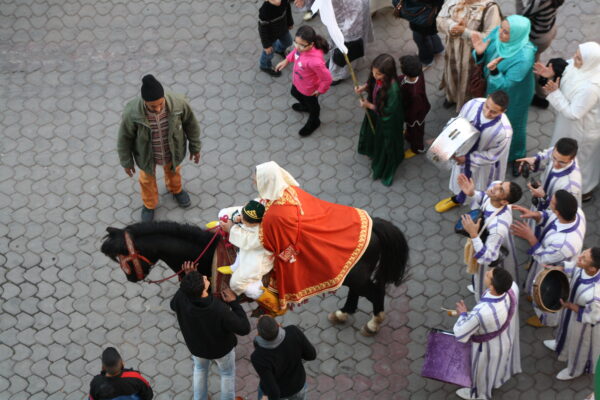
(274, 23)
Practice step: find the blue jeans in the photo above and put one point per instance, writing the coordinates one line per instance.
(428, 46)
(279, 46)
(301, 395)
(226, 365)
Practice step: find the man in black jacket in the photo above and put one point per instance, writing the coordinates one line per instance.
(277, 359)
(209, 326)
(117, 382)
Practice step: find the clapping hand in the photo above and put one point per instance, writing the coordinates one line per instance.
(537, 192)
(467, 185)
(527, 213)
(478, 43)
(522, 230)
(492, 65)
(461, 307)
(458, 29)
(551, 86)
(470, 226)
(542, 70)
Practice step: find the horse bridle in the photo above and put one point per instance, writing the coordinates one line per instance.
(134, 257)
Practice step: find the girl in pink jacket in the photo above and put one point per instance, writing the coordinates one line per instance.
(310, 76)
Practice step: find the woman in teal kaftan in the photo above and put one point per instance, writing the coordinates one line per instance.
(507, 57)
(385, 146)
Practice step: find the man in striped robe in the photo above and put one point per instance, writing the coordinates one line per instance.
(578, 337)
(493, 329)
(486, 161)
(560, 240)
(497, 249)
(560, 171)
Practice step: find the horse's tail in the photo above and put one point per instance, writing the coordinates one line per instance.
(394, 253)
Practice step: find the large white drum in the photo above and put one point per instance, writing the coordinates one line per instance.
(456, 139)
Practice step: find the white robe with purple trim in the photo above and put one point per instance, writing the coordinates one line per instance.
(499, 358)
(553, 180)
(488, 160)
(558, 243)
(581, 330)
(498, 235)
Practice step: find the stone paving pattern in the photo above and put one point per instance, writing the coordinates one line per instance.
(66, 70)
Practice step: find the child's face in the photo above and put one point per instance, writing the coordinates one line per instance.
(302, 45)
(377, 74)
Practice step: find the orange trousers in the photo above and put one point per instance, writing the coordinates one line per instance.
(150, 190)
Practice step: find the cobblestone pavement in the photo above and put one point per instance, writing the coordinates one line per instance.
(66, 69)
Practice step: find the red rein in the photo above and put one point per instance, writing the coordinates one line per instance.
(136, 257)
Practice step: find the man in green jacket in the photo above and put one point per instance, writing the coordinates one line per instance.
(154, 130)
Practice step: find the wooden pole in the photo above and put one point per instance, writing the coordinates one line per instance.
(353, 75)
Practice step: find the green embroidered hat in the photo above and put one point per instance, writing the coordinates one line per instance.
(253, 211)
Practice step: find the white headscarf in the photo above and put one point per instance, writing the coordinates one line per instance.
(272, 180)
(574, 78)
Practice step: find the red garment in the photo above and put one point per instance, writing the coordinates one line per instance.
(330, 241)
(416, 104)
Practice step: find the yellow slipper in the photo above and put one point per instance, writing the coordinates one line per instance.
(445, 205)
(535, 322)
(225, 270)
(409, 154)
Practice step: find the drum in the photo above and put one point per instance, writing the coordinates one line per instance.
(551, 285)
(447, 359)
(456, 139)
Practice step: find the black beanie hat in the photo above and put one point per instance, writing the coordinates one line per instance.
(151, 88)
(253, 211)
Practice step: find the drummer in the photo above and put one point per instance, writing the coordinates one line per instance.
(495, 204)
(580, 320)
(487, 159)
(561, 240)
(493, 329)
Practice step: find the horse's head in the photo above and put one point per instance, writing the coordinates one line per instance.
(120, 246)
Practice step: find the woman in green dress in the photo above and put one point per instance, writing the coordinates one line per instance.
(507, 57)
(385, 145)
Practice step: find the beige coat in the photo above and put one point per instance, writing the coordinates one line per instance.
(458, 57)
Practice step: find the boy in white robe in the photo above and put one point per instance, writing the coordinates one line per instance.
(560, 171)
(578, 337)
(560, 240)
(493, 329)
(495, 205)
(253, 260)
(486, 161)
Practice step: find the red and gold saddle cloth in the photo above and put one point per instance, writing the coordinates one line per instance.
(315, 243)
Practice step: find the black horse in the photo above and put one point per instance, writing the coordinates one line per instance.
(383, 262)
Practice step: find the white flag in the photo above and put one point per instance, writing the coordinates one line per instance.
(325, 10)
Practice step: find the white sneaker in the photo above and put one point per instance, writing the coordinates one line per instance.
(471, 289)
(564, 375)
(551, 344)
(465, 393)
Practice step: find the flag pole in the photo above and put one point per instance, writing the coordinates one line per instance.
(355, 80)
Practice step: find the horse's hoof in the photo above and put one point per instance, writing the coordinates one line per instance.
(337, 317)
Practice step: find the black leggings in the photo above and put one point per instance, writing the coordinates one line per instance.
(310, 102)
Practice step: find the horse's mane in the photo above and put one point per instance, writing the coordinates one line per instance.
(168, 228)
